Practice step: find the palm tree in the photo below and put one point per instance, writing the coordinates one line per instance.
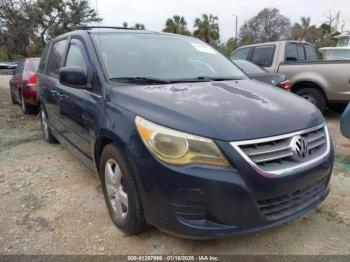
(176, 25)
(207, 28)
(139, 26)
(300, 31)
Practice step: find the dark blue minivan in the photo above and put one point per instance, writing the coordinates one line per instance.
(180, 138)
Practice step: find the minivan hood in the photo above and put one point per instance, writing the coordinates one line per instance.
(223, 110)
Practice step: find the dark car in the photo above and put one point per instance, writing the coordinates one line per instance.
(23, 85)
(180, 137)
(345, 122)
(260, 74)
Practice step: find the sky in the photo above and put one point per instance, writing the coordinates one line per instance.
(153, 14)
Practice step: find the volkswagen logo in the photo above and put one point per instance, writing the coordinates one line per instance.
(300, 148)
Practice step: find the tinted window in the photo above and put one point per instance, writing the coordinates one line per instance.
(75, 57)
(168, 57)
(301, 53)
(55, 57)
(249, 67)
(241, 53)
(43, 59)
(291, 52)
(310, 52)
(263, 55)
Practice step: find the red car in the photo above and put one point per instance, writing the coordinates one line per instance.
(23, 85)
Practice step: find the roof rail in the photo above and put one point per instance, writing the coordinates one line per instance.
(87, 27)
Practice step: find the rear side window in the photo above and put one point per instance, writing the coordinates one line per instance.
(301, 53)
(263, 55)
(241, 54)
(310, 52)
(291, 52)
(55, 57)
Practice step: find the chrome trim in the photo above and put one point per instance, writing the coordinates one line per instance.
(268, 151)
(282, 172)
(273, 158)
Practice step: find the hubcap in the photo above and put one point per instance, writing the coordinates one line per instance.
(117, 196)
(44, 124)
(310, 99)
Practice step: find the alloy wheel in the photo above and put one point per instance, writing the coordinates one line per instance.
(44, 124)
(117, 196)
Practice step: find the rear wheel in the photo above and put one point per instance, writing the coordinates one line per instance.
(314, 96)
(48, 136)
(13, 99)
(120, 191)
(25, 107)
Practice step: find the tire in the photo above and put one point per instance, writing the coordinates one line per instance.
(47, 135)
(338, 108)
(315, 97)
(13, 99)
(120, 191)
(25, 107)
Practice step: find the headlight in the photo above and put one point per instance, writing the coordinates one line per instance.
(179, 148)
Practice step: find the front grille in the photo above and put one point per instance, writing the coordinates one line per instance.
(283, 206)
(275, 155)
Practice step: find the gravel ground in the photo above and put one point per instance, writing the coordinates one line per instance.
(50, 204)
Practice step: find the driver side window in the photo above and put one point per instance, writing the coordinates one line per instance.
(75, 57)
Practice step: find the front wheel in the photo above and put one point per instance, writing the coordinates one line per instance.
(48, 136)
(314, 96)
(120, 191)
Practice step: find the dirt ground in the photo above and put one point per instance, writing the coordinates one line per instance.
(50, 204)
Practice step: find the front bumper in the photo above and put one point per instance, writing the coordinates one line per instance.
(201, 202)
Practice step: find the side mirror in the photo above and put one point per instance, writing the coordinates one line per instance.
(345, 122)
(73, 76)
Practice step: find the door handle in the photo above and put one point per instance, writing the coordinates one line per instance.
(59, 94)
(62, 96)
(54, 92)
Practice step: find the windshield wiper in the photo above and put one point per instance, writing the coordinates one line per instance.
(140, 79)
(205, 79)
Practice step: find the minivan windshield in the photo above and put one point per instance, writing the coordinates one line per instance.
(161, 57)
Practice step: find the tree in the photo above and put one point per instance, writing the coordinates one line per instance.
(27, 25)
(176, 25)
(267, 25)
(319, 36)
(55, 17)
(16, 27)
(333, 21)
(139, 26)
(300, 31)
(207, 28)
(125, 24)
(228, 47)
